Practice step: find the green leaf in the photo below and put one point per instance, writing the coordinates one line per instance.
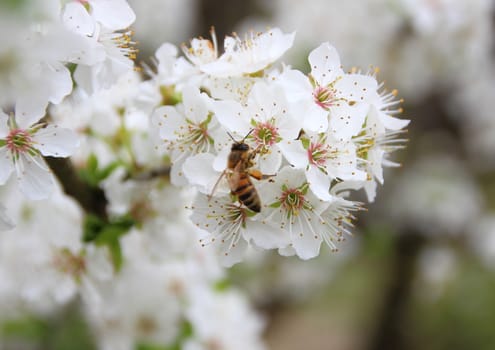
(92, 163)
(116, 254)
(14, 5)
(108, 233)
(92, 227)
(93, 175)
(28, 328)
(222, 285)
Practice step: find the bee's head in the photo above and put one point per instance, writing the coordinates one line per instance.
(240, 146)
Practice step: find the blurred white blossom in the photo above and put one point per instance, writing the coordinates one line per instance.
(436, 196)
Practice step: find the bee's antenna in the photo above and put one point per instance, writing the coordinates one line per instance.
(244, 139)
(249, 133)
(232, 137)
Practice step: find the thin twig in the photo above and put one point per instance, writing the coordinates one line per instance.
(91, 199)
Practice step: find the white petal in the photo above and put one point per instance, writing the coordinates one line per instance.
(356, 87)
(375, 159)
(269, 164)
(29, 109)
(168, 121)
(232, 255)
(295, 153)
(315, 118)
(370, 189)
(6, 164)
(220, 161)
(306, 243)
(266, 236)
(76, 18)
(296, 85)
(4, 125)
(199, 172)
(86, 77)
(287, 251)
(392, 123)
(57, 81)
(113, 14)
(55, 141)
(36, 182)
(325, 64)
(274, 43)
(346, 121)
(194, 105)
(166, 53)
(232, 116)
(177, 177)
(319, 183)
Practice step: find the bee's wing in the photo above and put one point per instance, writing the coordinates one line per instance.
(234, 176)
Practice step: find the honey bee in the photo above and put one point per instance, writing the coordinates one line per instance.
(238, 173)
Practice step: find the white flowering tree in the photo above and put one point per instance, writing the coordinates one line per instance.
(120, 188)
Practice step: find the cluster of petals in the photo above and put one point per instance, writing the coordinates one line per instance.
(312, 139)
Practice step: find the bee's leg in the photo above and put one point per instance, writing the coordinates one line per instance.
(258, 175)
(216, 184)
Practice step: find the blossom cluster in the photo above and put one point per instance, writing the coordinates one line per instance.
(309, 139)
(229, 147)
(49, 39)
(163, 294)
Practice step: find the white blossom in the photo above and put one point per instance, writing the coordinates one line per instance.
(22, 147)
(307, 220)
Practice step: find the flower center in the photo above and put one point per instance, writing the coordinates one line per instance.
(292, 200)
(324, 97)
(68, 263)
(195, 137)
(202, 51)
(318, 154)
(265, 135)
(122, 41)
(19, 141)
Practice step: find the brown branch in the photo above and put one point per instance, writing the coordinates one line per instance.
(391, 327)
(91, 199)
(163, 171)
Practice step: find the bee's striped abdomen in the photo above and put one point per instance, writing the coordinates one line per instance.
(247, 194)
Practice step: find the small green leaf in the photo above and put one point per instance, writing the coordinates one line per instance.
(103, 233)
(305, 142)
(92, 227)
(92, 163)
(93, 175)
(108, 170)
(222, 285)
